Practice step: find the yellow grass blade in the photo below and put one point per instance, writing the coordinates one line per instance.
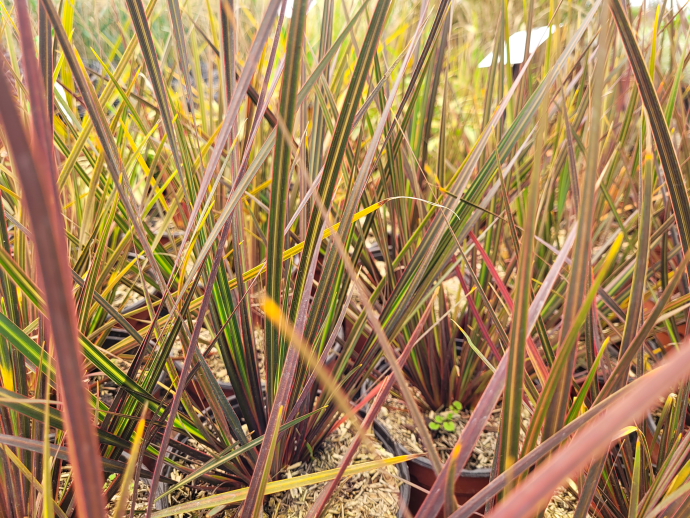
(233, 497)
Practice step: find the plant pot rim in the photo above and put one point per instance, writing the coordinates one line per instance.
(466, 472)
(389, 444)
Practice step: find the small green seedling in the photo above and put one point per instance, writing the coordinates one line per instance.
(311, 450)
(445, 420)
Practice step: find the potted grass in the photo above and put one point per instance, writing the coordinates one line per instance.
(254, 240)
(290, 403)
(290, 383)
(447, 375)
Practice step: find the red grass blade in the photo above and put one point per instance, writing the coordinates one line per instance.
(534, 352)
(594, 440)
(40, 199)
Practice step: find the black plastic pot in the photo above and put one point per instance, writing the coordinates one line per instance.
(383, 435)
(380, 432)
(421, 473)
(117, 333)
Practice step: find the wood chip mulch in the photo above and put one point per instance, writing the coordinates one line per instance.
(367, 495)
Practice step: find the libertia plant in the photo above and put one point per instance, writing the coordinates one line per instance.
(218, 217)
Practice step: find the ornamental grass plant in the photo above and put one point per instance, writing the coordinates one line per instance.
(219, 216)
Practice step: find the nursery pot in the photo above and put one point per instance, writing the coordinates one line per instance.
(383, 435)
(468, 484)
(141, 313)
(380, 432)
(421, 474)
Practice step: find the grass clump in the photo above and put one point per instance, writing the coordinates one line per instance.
(218, 218)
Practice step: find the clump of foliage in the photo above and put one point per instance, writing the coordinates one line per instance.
(216, 220)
